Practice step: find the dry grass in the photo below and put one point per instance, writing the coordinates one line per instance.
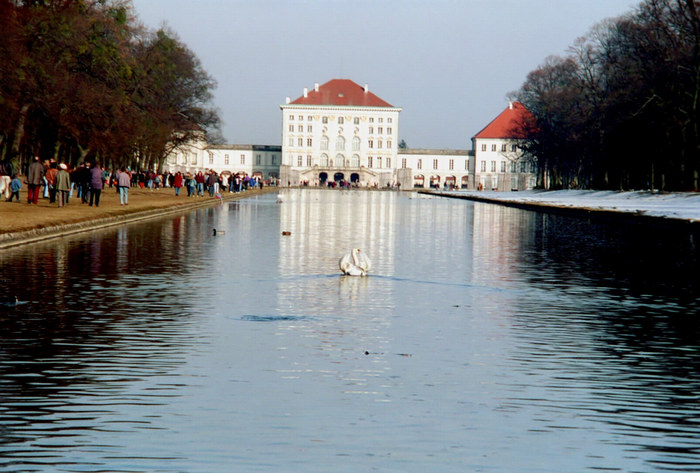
(20, 216)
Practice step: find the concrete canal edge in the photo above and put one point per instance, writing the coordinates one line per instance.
(582, 212)
(9, 240)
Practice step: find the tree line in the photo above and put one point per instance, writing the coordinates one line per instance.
(621, 110)
(83, 80)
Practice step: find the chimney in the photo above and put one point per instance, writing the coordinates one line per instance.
(510, 105)
(289, 99)
(316, 86)
(306, 92)
(366, 88)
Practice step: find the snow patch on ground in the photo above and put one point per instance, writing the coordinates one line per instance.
(678, 205)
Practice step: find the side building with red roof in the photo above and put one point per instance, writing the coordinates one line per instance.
(500, 163)
(339, 132)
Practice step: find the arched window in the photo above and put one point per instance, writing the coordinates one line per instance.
(340, 143)
(356, 143)
(340, 160)
(324, 143)
(324, 160)
(355, 161)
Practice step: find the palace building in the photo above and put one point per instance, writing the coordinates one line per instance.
(499, 162)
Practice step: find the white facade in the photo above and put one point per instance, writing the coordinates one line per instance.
(500, 165)
(259, 161)
(436, 168)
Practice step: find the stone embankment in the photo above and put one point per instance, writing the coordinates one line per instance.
(21, 223)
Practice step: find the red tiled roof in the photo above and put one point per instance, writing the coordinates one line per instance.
(509, 124)
(341, 92)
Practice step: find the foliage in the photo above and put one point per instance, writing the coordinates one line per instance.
(621, 110)
(79, 79)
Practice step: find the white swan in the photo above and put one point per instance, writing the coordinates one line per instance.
(354, 263)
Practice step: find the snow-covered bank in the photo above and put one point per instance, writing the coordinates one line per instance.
(678, 205)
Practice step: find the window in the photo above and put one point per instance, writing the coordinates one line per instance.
(514, 148)
(371, 119)
(300, 118)
(339, 143)
(291, 128)
(356, 121)
(370, 144)
(324, 120)
(493, 147)
(211, 158)
(243, 159)
(388, 120)
(483, 147)
(324, 143)
(371, 130)
(324, 160)
(355, 160)
(419, 164)
(503, 166)
(340, 160)
(369, 161)
(356, 143)
(309, 141)
(194, 158)
(380, 120)
(308, 160)
(466, 164)
(379, 144)
(291, 117)
(483, 166)
(403, 163)
(388, 162)
(300, 141)
(379, 130)
(300, 129)
(388, 143)
(379, 161)
(226, 159)
(512, 166)
(274, 159)
(341, 120)
(504, 148)
(452, 164)
(522, 166)
(435, 163)
(309, 129)
(388, 130)
(299, 161)
(257, 159)
(493, 166)
(291, 141)
(309, 118)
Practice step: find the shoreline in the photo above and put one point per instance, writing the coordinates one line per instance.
(147, 206)
(638, 215)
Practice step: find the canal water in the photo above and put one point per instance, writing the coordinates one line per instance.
(486, 339)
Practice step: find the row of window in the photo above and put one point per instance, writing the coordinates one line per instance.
(436, 162)
(310, 128)
(227, 161)
(504, 148)
(339, 143)
(513, 166)
(340, 161)
(341, 120)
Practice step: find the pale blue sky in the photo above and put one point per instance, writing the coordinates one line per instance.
(449, 64)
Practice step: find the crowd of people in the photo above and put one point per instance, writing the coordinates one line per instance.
(58, 182)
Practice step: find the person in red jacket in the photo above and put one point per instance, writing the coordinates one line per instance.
(177, 182)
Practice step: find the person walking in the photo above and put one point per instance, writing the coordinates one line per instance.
(177, 182)
(35, 176)
(199, 178)
(123, 182)
(51, 180)
(96, 184)
(15, 186)
(62, 185)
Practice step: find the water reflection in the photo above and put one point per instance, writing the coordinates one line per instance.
(485, 339)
